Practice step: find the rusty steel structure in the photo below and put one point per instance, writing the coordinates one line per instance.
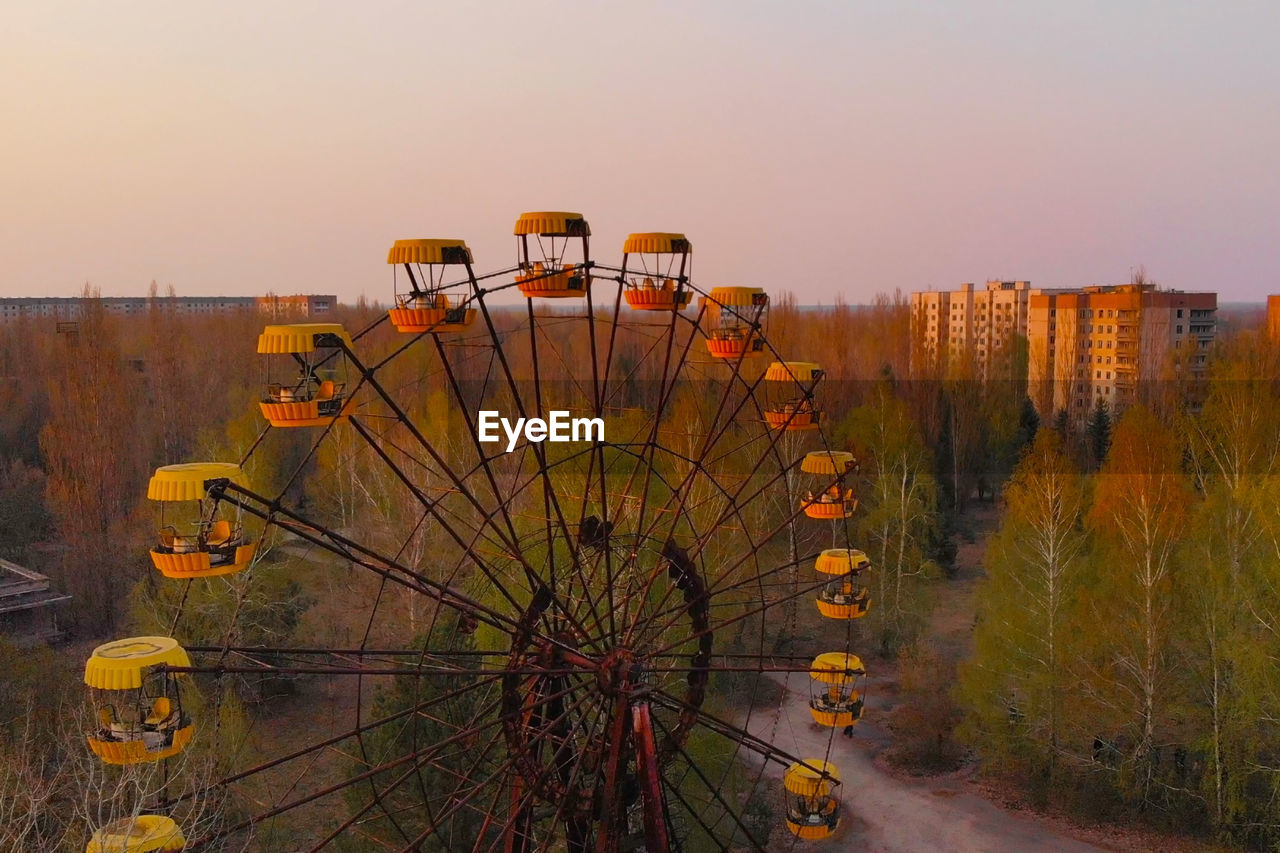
(598, 617)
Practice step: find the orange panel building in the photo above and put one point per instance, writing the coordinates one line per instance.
(1098, 343)
(1273, 317)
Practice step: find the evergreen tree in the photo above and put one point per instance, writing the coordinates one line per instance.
(1098, 433)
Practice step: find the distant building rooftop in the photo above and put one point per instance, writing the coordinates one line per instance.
(66, 308)
(27, 611)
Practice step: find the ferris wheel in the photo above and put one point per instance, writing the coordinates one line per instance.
(600, 625)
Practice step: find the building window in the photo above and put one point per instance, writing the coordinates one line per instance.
(1179, 313)
(1179, 328)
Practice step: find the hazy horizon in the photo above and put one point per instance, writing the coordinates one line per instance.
(820, 148)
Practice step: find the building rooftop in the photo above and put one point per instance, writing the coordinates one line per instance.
(26, 605)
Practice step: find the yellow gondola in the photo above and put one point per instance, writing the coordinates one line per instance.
(146, 833)
(789, 396)
(318, 393)
(835, 501)
(732, 320)
(813, 810)
(426, 307)
(841, 598)
(544, 270)
(835, 699)
(662, 283)
(138, 707)
(198, 544)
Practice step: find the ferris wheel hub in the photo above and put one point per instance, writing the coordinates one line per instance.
(620, 672)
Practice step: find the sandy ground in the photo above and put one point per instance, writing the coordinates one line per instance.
(883, 810)
(887, 810)
(886, 813)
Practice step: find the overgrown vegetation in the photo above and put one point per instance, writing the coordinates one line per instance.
(1127, 632)
(1128, 626)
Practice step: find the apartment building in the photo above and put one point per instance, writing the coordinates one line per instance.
(301, 305)
(1273, 317)
(970, 324)
(1099, 343)
(67, 308)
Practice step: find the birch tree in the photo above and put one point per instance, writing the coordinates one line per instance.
(898, 515)
(1021, 665)
(1140, 510)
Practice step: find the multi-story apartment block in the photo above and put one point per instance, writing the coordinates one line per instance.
(1273, 317)
(299, 305)
(1098, 343)
(967, 324)
(69, 307)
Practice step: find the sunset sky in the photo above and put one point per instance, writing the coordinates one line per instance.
(820, 147)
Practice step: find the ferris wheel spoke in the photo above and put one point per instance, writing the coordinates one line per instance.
(697, 818)
(404, 419)
(475, 436)
(700, 466)
(598, 383)
(550, 500)
(714, 790)
(439, 762)
(499, 539)
(677, 513)
(569, 370)
(747, 614)
(461, 798)
(430, 506)
(736, 734)
(329, 790)
(664, 620)
(734, 508)
(329, 742)
(666, 389)
(524, 791)
(775, 436)
(439, 759)
(576, 828)
(597, 729)
(348, 549)
(538, 450)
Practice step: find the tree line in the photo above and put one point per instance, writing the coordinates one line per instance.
(1127, 626)
(1127, 633)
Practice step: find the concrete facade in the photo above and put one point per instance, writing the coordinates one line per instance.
(1099, 343)
(967, 326)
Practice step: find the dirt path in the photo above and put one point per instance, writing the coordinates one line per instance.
(886, 810)
(885, 813)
